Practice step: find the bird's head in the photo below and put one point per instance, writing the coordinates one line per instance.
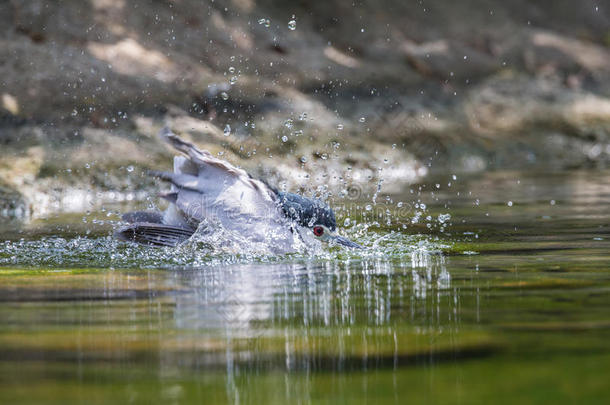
(315, 215)
(324, 234)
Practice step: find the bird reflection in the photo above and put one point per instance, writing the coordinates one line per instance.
(313, 315)
(252, 300)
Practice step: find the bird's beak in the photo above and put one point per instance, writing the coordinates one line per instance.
(345, 242)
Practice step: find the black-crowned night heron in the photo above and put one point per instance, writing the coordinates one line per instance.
(208, 192)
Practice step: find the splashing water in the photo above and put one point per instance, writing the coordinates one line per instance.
(202, 251)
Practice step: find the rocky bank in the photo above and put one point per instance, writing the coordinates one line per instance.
(309, 94)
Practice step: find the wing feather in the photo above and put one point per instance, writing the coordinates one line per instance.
(209, 190)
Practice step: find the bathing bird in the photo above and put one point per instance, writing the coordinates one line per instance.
(210, 196)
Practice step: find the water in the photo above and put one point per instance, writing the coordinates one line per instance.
(492, 304)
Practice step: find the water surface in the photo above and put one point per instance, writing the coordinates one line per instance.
(506, 299)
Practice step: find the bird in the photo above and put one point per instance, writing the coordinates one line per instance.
(212, 200)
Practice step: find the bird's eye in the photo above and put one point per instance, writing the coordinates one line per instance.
(318, 231)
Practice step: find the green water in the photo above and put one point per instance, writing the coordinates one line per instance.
(498, 304)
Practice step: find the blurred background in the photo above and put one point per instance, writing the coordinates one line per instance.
(305, 93)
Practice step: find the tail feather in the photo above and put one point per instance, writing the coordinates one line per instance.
(152, 234)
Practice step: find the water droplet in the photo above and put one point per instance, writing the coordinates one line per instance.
(233, 80)
(87, 166)
(368, 207)
(303, 159)
(362, 119)
(442, 218)
(400, 204)
(454, 177)
(130, 169)
(284, 138)
(224, 95)
(340, 127)
(553, 202)
(510, 203)
(288, 123)
(292, 25)
(265, 22)
(346, 222)
(227, 130)
(231, 70)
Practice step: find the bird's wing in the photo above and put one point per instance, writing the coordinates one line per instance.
(206, 188)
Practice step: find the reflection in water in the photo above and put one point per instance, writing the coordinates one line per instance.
(309, 316)
(250, 297)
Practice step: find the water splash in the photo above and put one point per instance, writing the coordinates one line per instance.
(107, 252)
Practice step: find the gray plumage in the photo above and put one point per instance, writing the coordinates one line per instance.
(307, 212)
(210, 197)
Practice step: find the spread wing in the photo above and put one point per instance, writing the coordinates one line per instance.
(216, 201)
(211, 190)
